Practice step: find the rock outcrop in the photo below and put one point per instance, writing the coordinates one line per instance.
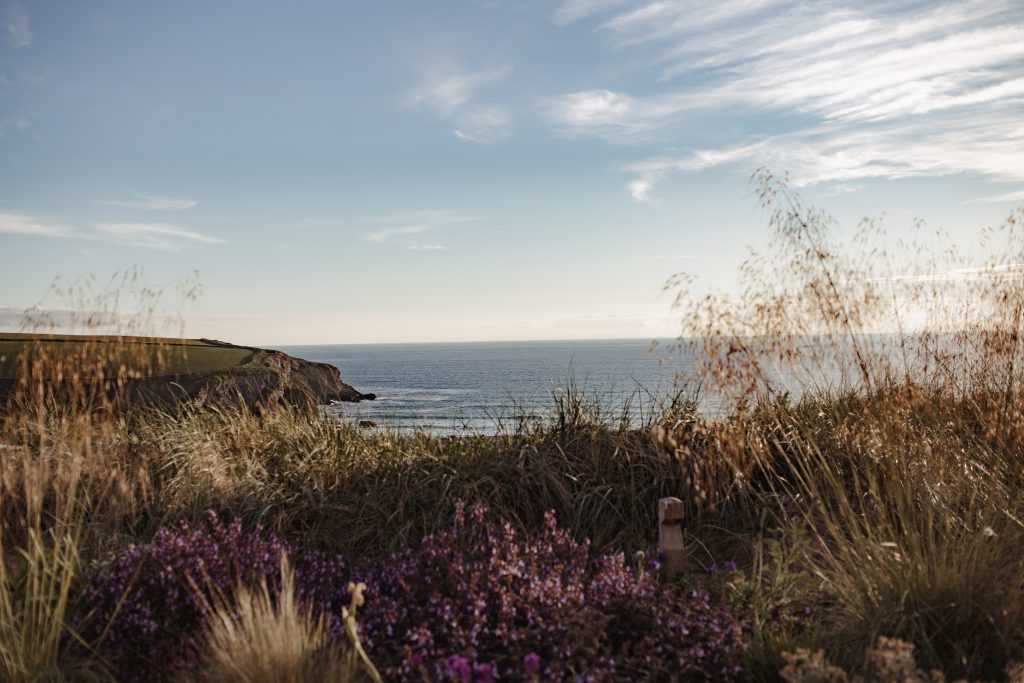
(259, 378)
(271, 379)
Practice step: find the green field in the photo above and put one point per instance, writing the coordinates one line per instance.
(168, 356)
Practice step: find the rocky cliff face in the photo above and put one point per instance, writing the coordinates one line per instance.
(263, 380)
(272, 379)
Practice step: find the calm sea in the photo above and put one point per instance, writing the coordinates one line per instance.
(452, 387)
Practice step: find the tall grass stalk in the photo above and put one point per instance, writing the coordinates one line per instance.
(37, 583)
(901, 458)
(35, 592)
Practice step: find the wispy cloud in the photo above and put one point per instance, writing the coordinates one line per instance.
(900, 78)
(148, 235)
(17, 123)
(447, 88)
(155, 235)
(406, 229)
(574, 10)
(650, 171)
(388, 234)
(483, 124)
(453, 94)
(150, 203)
(640, 190)
(17, 28)
(986, 143)
(840, 188)
(17, 224)
(615, 116)
(1000, 272)
(1000, 199)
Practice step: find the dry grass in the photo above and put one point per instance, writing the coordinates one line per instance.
(891, 483)
(266, 636)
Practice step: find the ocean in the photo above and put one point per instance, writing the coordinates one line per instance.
(453, 388)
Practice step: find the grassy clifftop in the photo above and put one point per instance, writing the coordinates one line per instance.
(182, 356)
(84, 367)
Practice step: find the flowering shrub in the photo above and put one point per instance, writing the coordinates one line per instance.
(146, 606)
(473, 604)
(476, 603)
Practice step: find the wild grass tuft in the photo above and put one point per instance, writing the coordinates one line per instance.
(266, 636)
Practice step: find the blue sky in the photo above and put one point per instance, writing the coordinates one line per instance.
(475, 170)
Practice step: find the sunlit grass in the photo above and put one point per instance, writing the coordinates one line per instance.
(267, 636)
(884, 496)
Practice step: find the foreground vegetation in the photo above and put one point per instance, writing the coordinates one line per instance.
(872, 527)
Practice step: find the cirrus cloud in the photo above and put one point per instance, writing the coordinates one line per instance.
(18, 224)
(155, 235)
(452, 93)
(407, 229)
(150, 203)
(871, 90)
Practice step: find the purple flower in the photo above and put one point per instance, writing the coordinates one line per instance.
(484, 673)
(712, 568)
(145, 602)
(458, 668)
(730, 566)
(479, 592)
(466, 604)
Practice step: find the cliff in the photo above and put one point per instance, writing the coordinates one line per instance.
(147, 368)
(270, 379)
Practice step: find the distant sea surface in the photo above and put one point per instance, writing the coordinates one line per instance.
(455, 387)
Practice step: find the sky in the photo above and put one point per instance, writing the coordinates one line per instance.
(456, 170)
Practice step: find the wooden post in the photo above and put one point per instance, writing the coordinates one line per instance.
(670, 537)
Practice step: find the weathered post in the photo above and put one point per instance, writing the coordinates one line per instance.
(670, 537)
